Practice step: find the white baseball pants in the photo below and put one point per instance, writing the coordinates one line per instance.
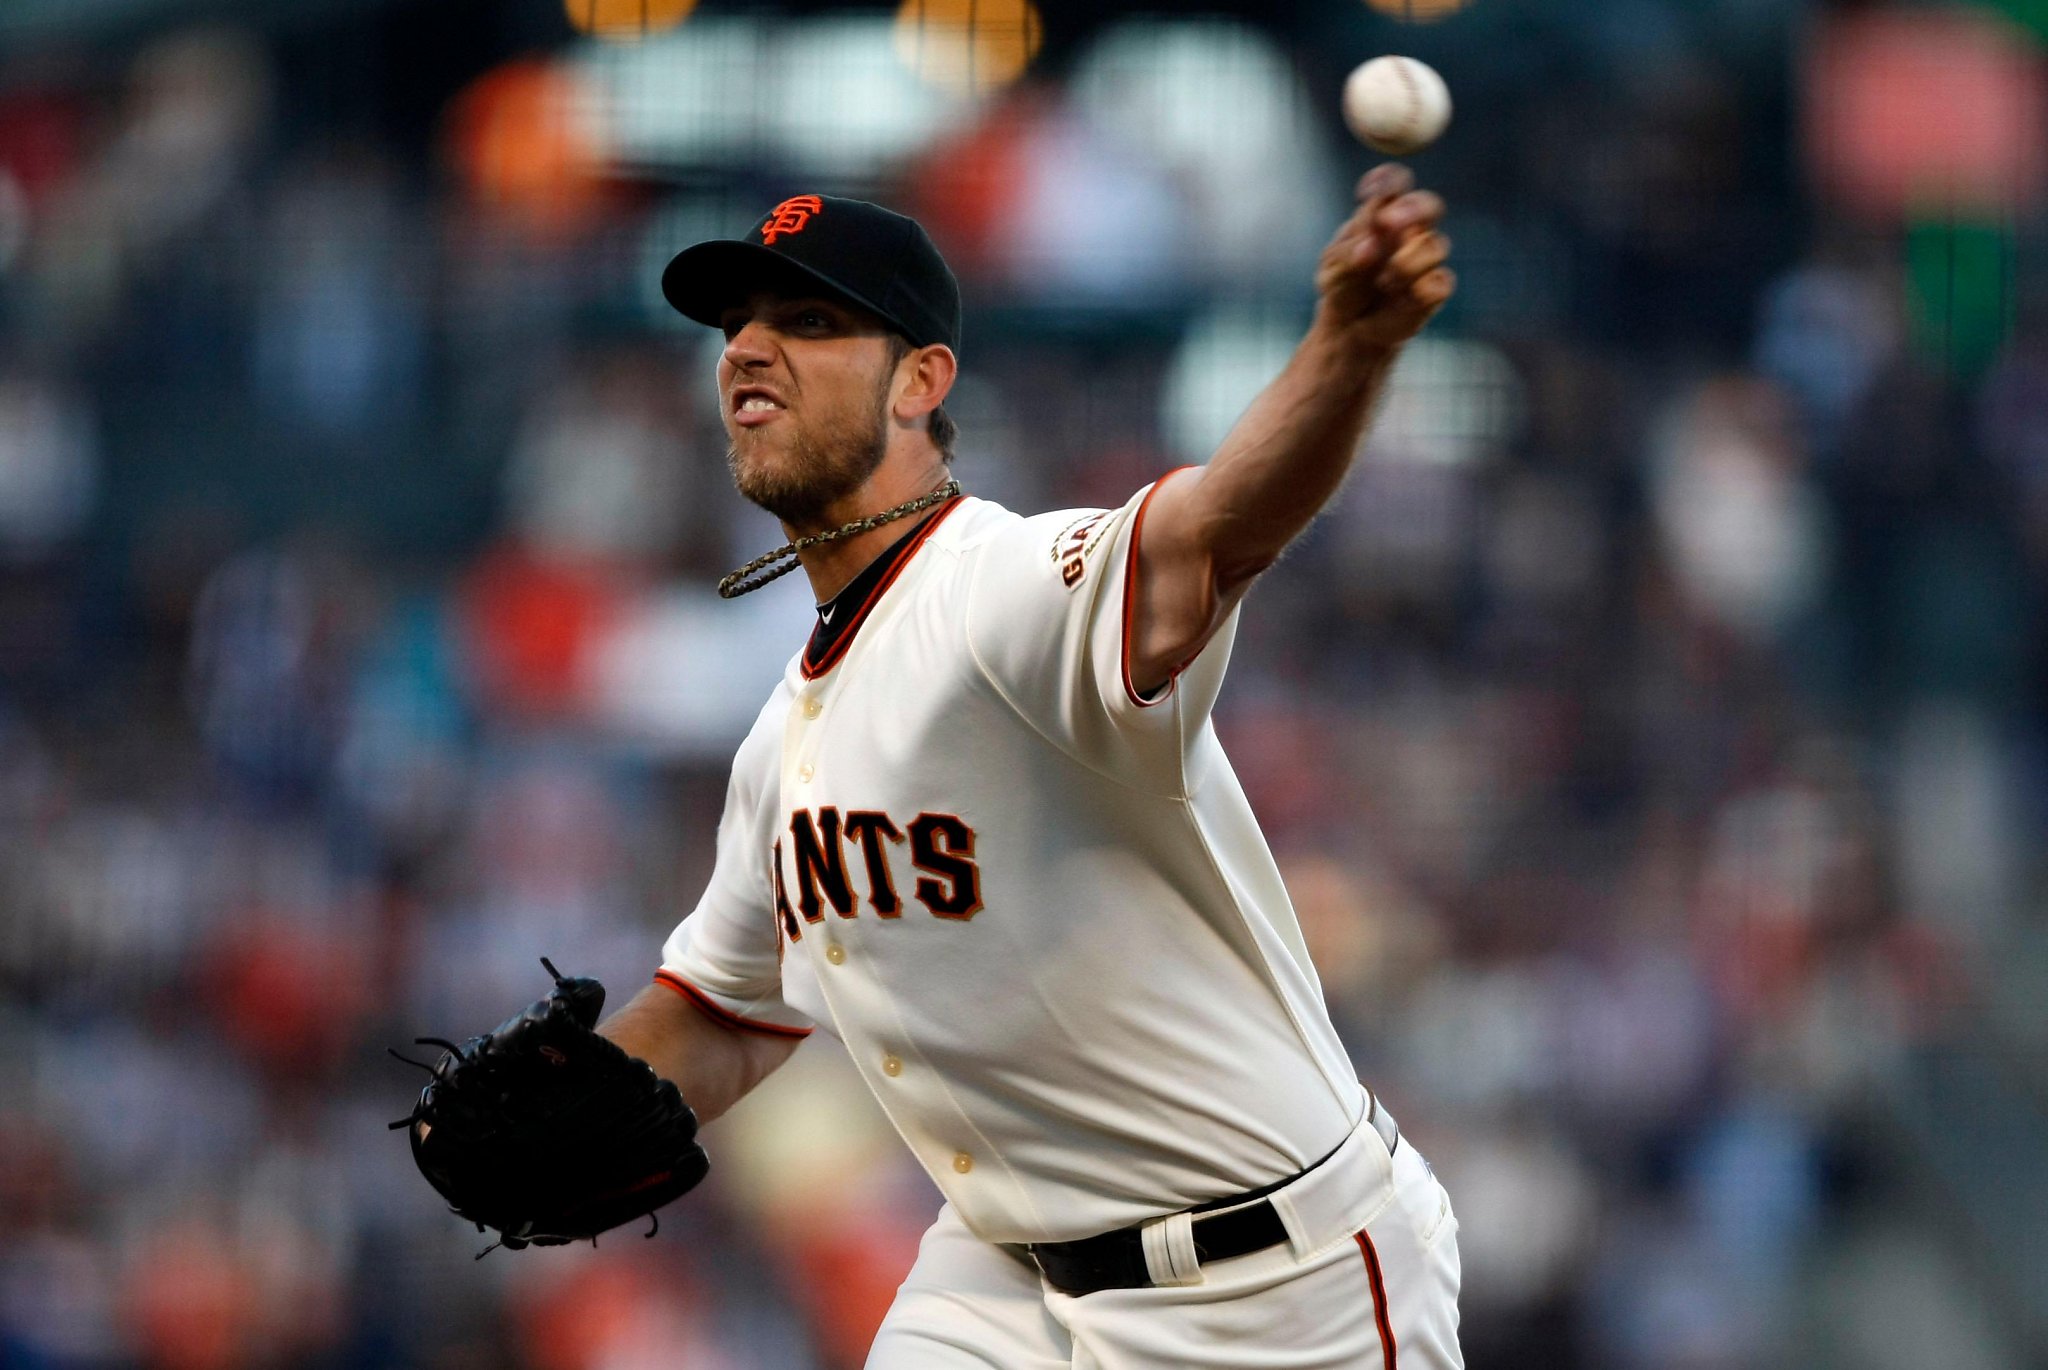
(1377, 1293)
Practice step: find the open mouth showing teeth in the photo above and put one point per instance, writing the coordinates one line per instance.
(757, 404)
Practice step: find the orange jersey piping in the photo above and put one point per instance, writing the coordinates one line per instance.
(838, 649)
(1131, 599)
(702, 1002)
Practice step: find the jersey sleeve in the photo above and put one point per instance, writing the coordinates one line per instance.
(1049, 624)
(726, 956)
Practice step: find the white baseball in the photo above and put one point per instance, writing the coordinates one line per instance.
(1396, 105)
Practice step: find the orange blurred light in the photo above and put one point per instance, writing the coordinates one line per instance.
(1418, 11)
(626, 21)
(521, 143)
(968, 47)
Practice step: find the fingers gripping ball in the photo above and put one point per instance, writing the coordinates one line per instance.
(1396, 105)
(546, 1132)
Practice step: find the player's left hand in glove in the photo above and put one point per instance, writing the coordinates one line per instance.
(547, 1132)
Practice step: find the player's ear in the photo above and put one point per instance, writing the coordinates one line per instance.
(927, 374)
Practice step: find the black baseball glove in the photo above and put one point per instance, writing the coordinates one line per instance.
(549, 1133)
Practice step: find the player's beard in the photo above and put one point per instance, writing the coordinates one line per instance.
(820, 468)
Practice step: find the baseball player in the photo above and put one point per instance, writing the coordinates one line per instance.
(984, 834)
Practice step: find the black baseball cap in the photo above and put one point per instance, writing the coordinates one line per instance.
(878, 259)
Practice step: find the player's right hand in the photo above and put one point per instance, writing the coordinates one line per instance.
(1383, 276)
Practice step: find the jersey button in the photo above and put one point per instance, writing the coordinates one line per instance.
(963, 1162)
(835, 953)
(892, 1065)
(813, 707)
(805, 772)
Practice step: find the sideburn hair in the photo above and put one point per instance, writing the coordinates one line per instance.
(943, 430)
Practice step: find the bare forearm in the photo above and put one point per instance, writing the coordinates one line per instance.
(1378, 283)
(713, 1066)
(1289, 453)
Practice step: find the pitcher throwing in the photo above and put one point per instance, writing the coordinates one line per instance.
(984, 834)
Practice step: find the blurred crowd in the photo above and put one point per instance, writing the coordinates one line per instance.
(1651, 733)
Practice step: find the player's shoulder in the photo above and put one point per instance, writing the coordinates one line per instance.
(980, 520)
(971, 522)
(1059, 545)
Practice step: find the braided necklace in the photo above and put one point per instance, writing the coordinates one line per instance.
(762, 570)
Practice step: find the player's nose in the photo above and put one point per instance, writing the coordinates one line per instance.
(753, 345)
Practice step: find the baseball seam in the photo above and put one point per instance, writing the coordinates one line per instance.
(1412, 118)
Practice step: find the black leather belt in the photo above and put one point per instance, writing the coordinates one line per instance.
(1116, 1260)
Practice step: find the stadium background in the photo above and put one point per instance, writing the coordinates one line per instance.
(1651, 732)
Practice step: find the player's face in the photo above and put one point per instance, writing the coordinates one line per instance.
(805, 387)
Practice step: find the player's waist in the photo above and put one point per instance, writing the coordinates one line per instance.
(1307, 1209)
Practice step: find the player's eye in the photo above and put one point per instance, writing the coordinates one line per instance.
(731, 327)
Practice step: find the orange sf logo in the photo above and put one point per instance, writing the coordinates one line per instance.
(790, 216)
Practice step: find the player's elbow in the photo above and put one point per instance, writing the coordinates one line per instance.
(1232, 573)
(1229, 548)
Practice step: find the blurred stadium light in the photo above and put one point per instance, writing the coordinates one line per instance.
(824, 97)
(1418, 11)
(1225, 358)
(682, 100)
(1450, 402)
(1224, 112)
(626, 21)
(969, 47)
(842, 102)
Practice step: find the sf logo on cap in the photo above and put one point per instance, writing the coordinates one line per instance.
(790, 217)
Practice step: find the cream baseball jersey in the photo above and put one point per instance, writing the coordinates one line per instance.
(1035, 907)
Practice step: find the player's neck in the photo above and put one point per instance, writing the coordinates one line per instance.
(831, 565)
